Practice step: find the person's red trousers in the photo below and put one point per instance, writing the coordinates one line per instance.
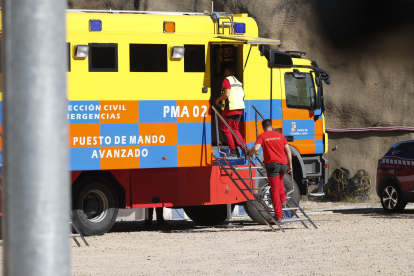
(235, 127)
(277, 190)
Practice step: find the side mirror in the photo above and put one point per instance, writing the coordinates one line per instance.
(298, 75)
(261, 49)
(318, 81)
(319, 103)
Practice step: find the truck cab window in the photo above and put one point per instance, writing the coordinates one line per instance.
(194, 58)
(148, 58)
(103, 57)
(300, 93)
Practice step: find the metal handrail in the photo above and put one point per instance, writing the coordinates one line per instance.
(255, 119)
(258, 112)
(217, 114)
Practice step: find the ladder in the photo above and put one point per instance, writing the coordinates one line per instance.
(79, 234)
(246, 185)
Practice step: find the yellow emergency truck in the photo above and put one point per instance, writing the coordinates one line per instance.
(141, 86)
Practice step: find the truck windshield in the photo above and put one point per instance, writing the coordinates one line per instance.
(300, 93)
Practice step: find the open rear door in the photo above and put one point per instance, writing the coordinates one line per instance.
(230, 50)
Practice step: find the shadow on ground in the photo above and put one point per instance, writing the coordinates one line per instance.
(379, 212)
(406, 214)
(184, 226)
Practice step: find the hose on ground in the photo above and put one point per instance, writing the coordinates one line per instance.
(343, 187)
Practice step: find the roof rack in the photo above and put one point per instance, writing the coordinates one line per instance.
(138, 12)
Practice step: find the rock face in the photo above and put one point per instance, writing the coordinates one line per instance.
(372, 81)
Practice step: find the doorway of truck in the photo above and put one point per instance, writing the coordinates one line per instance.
(221, 56)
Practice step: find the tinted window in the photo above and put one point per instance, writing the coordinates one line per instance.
(68, 49)
(389, 152)
(408, 151)
(300, 93)
(194, 58)
(103, 57)
(397, 151)
(148, 58)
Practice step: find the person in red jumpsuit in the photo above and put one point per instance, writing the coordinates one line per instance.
(232, 117)
(277, 160)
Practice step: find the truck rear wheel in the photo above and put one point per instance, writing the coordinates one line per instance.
(207, 214)
(253, 213)
(94, 206)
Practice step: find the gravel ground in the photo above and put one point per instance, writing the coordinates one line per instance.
(345, 244)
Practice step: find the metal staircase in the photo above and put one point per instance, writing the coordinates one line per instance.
(246, 185)
(79, 234)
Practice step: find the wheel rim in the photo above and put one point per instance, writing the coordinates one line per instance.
(266, 196)
(95, 206)
(390, 197)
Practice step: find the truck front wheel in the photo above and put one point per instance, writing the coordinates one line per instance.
(94, 206)
(254, 214)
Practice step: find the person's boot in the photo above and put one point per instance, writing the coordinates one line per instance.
(278, 220)
(232, 154)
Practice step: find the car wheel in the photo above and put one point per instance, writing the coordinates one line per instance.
(391, 198)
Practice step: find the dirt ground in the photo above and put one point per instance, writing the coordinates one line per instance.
(345, 244)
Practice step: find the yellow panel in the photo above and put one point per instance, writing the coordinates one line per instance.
(152, 23)
(256, 79)
(124, 29)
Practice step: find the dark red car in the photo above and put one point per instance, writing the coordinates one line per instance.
(395, 176)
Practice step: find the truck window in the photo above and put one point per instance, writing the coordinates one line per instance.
(194, 58)
(148, 58)
(103, 57)
(300, 93)
(68, 56)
